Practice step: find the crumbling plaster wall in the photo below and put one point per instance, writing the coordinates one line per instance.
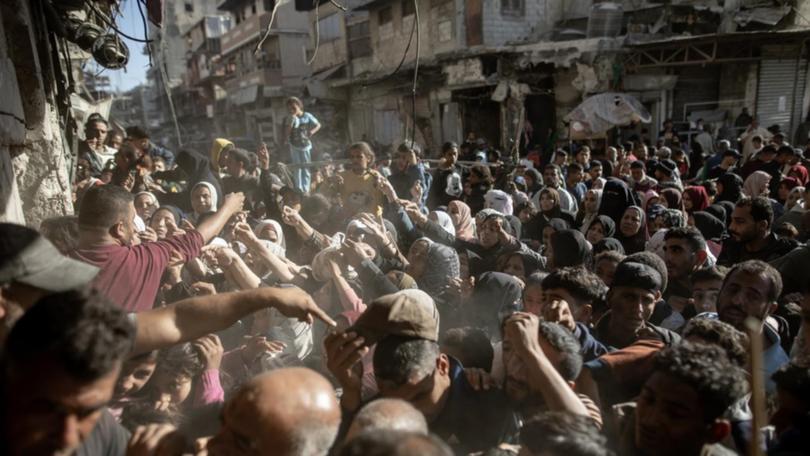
(31, 141)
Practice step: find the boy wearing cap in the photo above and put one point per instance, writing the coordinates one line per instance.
(632, 297)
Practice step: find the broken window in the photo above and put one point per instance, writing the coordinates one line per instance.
(513, 7)
(386, 16)
(189, 6)
(330, 27)
(359, 40)
(407, 8)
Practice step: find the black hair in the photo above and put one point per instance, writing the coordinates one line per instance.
(448, 146)
(182, 359)
(398, 358)
(638, 164)
(690, 234)
(142, 412)
(760, 208)
(705, 368)
(707, 274)
(242, 156)
(611, 255)
(575, 167)
(794, 379)
(136, 132)
(315, 204)
(733, 341)
(759, 267)
(583, 285)
(472, 345)
(103, 205)
(536, 279)
(563, 433)
(567, 345)
(81, 330)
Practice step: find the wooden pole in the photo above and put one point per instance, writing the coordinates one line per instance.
(760, 419)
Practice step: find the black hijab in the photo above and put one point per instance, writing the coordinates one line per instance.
(732, 188)
(496, 295)
(607, 244)
(616, 197)
(710, 226)
(570, 249)
(608, 225)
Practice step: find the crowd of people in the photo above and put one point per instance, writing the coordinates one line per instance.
(594, 300)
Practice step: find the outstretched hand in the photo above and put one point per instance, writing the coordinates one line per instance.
(294, 302)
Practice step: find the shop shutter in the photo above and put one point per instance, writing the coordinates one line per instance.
(778, 101)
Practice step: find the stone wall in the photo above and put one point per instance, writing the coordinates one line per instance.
(34, 160)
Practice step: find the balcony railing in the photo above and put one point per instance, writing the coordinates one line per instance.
(247, 31)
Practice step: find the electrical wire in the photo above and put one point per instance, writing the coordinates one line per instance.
(111, 24)
(145, 29)
(269, 26)
(337, 5)
(317, 32)
(415, 72)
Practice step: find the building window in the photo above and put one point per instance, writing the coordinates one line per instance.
(359, 40)
(513, 7)
(189, 6)
(407, 8)
(253, 8)
(330, 27)
(386, 16)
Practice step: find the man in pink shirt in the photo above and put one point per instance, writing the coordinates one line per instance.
(130, 273)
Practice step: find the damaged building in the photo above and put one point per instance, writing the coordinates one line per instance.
(505, 70)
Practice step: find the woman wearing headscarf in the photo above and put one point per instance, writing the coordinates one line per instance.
(518, 264)
(145, 205)
(616, 197)
(672, 198)
(534, 181)
(203, 199)
(554, 225)
(462, 220)
(549, 209)
(271, 231)
(493, 242)
(718, 211)
(729, 188)
(443, 220)
(432, 265)
(757, 184)
(500, 201)
(568, 248)
(589, 209)
(633, 230)
(602, 227)
(495, 296)
(786, 185)
(795, 199)
(713, 230)
(695, 198)
(649, 198)
(165, 221)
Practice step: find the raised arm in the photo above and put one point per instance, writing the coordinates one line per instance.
(521, 332)
(211, 227)
(196, 317)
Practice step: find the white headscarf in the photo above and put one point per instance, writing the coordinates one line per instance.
(444, 221)
(499, 200)
(282, 243)
(210, 188)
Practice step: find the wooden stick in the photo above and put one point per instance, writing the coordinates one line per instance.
(760, 419)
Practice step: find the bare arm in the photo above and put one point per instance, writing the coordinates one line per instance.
(211, 227)
(521, 332)
(193, 318)
(237, 271)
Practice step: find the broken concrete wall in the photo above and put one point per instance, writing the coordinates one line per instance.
(34, 148)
